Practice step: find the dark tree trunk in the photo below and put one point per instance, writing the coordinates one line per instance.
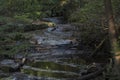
(112, 33)
(112, 29)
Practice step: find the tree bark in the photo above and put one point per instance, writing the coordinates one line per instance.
(112, 29)
(112, 33)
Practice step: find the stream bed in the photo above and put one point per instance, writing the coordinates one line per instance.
(55, 54)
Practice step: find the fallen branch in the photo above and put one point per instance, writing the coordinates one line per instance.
(99, 45)
(92, 75)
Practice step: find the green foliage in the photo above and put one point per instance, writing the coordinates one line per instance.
(34, 9)
(71, 6)
(4, 20)
(91, 23)
(12, 43)
(37, 9)
(13, 37)
(92, 10)
(19, 48)
(91, 36)
(116, 7)
(18, 37)
(14, 49)
(23, 18)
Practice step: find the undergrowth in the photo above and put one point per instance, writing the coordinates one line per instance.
(14, 38)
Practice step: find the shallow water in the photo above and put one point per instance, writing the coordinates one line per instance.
(62, 68)
(55, 57)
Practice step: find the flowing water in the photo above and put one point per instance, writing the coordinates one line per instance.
(55, 57)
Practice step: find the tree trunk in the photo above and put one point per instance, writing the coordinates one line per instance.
(112, 33)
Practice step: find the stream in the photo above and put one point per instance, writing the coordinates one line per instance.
(56, 54)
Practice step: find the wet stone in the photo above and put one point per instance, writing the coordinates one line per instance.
(8, 65)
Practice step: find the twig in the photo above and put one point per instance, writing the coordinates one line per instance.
(92, 75)
(101, 43)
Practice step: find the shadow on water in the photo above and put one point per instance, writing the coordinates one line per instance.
(64, 68)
